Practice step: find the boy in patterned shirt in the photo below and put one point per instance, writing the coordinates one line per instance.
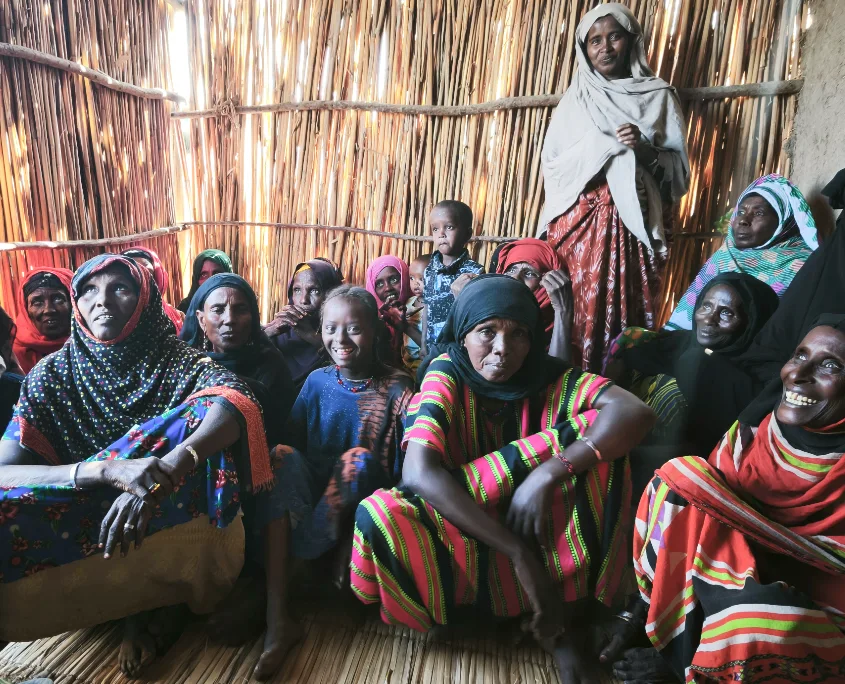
(451, 225)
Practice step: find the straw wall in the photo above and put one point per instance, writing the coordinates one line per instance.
(77, 160)
(385, 171)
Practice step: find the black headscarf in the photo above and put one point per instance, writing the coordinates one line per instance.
(326, 273)
(258, 363)
(498, 296)
(817, 442)
(714, 385)
(818, 288)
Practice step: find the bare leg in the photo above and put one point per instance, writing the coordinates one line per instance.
(282, 630)
(240, 616)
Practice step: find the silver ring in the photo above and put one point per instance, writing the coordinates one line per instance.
(127, 526)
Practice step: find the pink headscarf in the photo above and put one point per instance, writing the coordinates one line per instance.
(378, 266)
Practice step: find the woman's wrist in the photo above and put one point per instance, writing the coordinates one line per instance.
(91, 474)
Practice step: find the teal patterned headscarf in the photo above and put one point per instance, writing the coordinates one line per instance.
(774, 263)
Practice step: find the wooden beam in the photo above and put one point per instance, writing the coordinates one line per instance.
(102, 242)
(98, 77)
(765, 89)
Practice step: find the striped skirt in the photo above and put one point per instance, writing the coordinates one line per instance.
(420, 568)
(723, 604)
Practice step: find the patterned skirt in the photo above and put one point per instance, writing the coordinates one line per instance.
(46, 527)
(615, 280)
(721, 606)
(420, 568)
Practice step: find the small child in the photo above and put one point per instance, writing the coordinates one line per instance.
(414, 313)
(451, 225)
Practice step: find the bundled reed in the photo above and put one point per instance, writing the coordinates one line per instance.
(78, 160)
(384, 171)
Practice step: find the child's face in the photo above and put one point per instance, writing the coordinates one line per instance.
(348, 334)
(450, 238)
(417, 273)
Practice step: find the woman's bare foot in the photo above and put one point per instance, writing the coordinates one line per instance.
(616, 633)
(571, 660)
(240, 616)
(138, 649)
(644, 666)
(276, 648)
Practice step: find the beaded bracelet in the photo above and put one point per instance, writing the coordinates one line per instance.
(566, 463)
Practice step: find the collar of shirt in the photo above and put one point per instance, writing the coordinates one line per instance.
(439, 267)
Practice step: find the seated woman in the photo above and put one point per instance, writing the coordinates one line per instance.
(224, 322)
(388, 280)
(151, 261)
(123, 436)
(343, 436)
(772, 233)
(694, 380)
(11, 374)
(739, 558)
(208, 263)
(295, 330)
(537, 265)
(514, 483)
(43, 318)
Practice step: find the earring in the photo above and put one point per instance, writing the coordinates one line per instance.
(206, 343)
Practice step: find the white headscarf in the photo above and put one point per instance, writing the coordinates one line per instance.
(581, 140)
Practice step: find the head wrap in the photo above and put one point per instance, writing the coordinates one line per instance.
(714, 385)
(162, 280)
(497, 296)
(326, 273)
(581, 139)
(378, 266)
(775, 263)
(543, 258)
(220, 258)
(91, 392)
(258, 362)
(30, 346)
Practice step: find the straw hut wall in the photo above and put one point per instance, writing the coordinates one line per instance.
(79, 160)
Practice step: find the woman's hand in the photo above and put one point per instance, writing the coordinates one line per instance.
(291, 316)
(140, 476)
(558, 286)
(549, 618)
(394, 315)
(530, 506)
(461, 282)
(127, 519)
(629, 134)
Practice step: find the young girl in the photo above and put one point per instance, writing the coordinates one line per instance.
(388, 282)
(344, 436)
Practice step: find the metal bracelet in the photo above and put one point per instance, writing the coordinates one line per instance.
(193, 452)
(590, 443)
(74, 469)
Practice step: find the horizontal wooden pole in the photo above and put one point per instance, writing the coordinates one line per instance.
(765, 89)
(101, 242)
(169, 230)
(98, 77)
(345, 229)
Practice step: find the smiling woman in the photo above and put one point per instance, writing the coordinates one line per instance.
(764, 583)
(695, 380)
(43, 319)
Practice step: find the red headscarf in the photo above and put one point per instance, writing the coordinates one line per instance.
(31, 346)
(542, 257)
(397, 338)
(162, 280)
(382, 263)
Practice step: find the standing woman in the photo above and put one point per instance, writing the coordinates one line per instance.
(43, 318)
(614, 160)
